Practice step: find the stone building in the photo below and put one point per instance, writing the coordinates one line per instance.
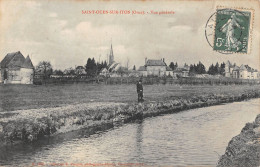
(182, 71)
(16, 69)
(155, 68)
(241, 72)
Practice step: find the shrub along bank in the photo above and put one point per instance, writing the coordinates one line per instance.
(243, 149)
(30, 125)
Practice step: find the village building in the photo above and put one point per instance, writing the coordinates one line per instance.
(16, 69)
(104, 72)
(155, 68)
(182, 71)
(242, 72)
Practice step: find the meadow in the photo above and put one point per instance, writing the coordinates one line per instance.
(17, 97)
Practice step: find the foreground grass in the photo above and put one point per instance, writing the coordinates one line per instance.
(22, 97)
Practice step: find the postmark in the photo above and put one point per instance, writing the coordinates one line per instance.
(229, 30)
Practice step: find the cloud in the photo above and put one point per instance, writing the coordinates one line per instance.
(52, 14)
(32, 4)
(60, 33)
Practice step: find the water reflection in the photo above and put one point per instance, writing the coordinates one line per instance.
(139, 141)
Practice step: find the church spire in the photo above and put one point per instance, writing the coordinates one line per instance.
(111, 55)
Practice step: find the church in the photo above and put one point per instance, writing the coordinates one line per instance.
(114, 67)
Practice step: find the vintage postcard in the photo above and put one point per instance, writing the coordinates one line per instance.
(129, 83)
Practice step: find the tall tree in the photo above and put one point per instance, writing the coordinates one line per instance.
(172, 66)
(58, 72)
(91, 67)
(192, 70)
(45, 68)
(222, 69)
(134, 68)
(105, 65)
(217, 69)
(211, 70)
(88, 65)
(201, 68)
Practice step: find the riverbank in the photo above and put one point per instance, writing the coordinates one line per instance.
(243, 149)
(32, 124)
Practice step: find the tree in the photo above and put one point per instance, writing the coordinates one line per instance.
(99, 67)
(172, 66)
(211, 70)
(105, 65)
(45, 68)
(71, 71)
(222, 69)
(192, 70)
(134, 68)
(58, 72)
(91, 67)
(217, 69)
(203, 69)
(200, 68)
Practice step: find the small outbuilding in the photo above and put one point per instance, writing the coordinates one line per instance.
(16, 69)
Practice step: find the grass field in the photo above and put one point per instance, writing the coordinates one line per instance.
(16, 97)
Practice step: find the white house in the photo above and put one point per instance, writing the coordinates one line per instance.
(242, 72)
(155, 68)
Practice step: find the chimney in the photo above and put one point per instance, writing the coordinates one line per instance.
(163, 60)
(145, 61)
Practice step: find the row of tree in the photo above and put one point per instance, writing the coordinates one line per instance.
(197, 69)
(200, 68)
(45, 69)
(93, 68)
(217, 69)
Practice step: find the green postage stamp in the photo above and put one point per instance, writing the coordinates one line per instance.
(232, 30)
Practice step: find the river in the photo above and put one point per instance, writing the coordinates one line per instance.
(189, 138)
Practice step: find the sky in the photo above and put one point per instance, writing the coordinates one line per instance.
(58, 32)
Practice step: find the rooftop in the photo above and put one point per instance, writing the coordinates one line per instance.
(151, 62)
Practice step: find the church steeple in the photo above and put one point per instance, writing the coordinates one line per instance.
(111, 55)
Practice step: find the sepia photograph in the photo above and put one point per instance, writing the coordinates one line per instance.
(130, 83)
